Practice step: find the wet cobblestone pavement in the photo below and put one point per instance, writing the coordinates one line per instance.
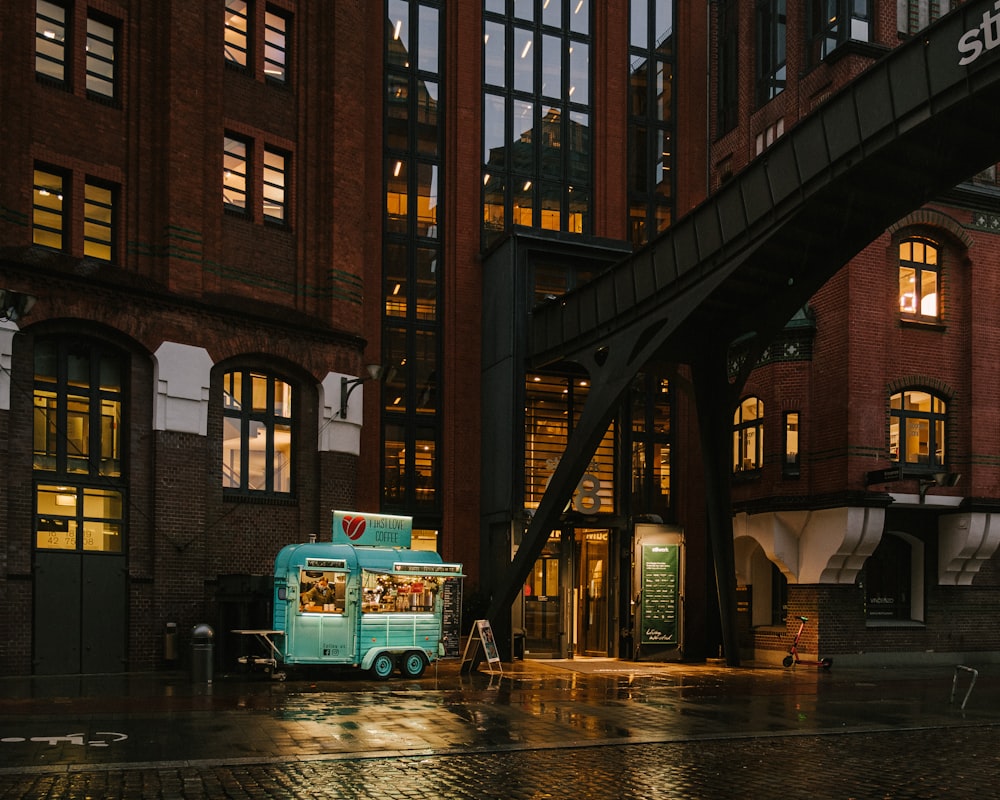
(584, 729)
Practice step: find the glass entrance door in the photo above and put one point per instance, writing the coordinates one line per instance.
(542, 602)
(592, 594)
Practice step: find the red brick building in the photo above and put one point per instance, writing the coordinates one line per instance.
(214, 216)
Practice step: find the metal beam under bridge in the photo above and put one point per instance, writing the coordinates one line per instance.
(920, 120)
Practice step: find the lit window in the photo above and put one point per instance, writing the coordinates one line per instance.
(98, 221)
(917, 429)
(236, 46)
(50, 40)
(275, 46)
(748, 435)
(100, 58)
(257, 433)
(234, 174)
(48, 217)
(77, 409)
(919, 276)
(274, 185)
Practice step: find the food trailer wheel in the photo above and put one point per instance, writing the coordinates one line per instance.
(382, 666)
(414, 664)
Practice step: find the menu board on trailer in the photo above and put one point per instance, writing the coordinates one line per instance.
(451, 618)
(658, 623)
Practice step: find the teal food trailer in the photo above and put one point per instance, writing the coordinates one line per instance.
(364, 600)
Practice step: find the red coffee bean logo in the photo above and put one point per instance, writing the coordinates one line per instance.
(353, 527)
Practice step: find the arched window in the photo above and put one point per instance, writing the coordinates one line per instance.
(919, 280)
(257, 433)
(748, 435)
(917, 429)
(77, 445)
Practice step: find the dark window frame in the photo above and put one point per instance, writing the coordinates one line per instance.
(919, 268)
(771, 51)
(832, 24)
(232, 58)
(741, 427)
(39, 208)
(112, 224)
(65, 63)
(254, 422)
(936, 419)
(93, 57)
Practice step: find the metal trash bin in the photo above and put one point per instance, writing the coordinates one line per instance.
(202, 653)
(170, 643)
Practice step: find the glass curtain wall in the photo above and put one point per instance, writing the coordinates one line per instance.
(411, 319)
(650, 118)
(537, 164)
(552, 407)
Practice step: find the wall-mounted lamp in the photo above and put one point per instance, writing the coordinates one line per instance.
(15, 305)
(348, 385)
(944, 479)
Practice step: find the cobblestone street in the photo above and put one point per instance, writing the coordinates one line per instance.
(616, 731)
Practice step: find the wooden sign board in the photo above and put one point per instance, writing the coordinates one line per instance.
(481, 636)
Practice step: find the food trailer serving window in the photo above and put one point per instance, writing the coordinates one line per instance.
(385, 592)
(322, 590)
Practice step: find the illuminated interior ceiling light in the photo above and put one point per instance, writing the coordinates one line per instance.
(395, 289)
(397, 169)
(486, 178)
(397, 28)
(527, 185)
(486, 38)
(527, 47)
(578, 7)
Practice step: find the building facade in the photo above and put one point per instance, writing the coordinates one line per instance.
(192, 378)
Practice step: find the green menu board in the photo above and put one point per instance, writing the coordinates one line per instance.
(660, 577)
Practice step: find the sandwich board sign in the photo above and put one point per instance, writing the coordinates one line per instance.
(481, 636)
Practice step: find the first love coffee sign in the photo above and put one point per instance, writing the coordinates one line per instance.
(371, 530)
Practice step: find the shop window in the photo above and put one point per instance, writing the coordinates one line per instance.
(553, 405)
(234, 174)
(748, 436)
(78, 519)
(48, 216)
(833, 23)
(257, 434)
(917, 430)
(771, 68)
(790, 466)
(98, 220)
(919, 280)
(50, 41)
(892, 580)
(101, 57)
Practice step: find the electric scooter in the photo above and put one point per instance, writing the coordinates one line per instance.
(793, 651)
